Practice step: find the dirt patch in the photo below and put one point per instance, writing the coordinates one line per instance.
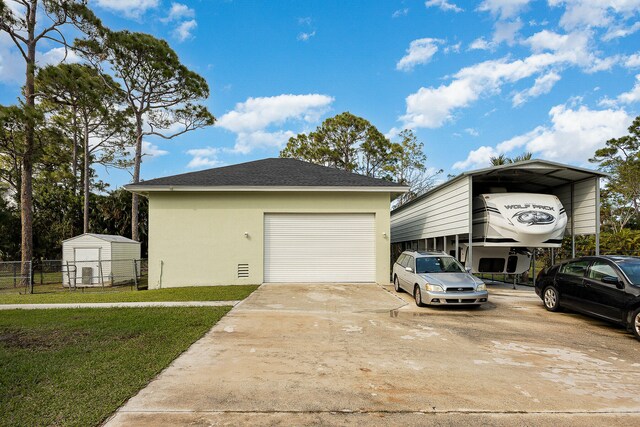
(45, 340)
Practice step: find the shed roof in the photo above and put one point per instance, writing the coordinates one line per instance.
(278, 173)
(105, 237)
(529, 176)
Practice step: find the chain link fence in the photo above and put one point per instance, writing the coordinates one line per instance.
(15, 276)
(47, 276)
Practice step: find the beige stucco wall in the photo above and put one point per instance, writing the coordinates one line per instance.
(197, 238)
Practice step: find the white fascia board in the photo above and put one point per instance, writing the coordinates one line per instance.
(168, 188)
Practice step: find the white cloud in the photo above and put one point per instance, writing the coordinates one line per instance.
(472, 131)
(542, 85)
(400, 12)
(12, 65)
(629, 97)
(420, 51)
(56, 56)
(247, 142)
(572, 137)
(620, 31)
(433, 106)
(303, 37)
(130, 8)
(443, 5)
(150, 149)
(455, 48)
(506, 31)
(632, 61)
(251, 119)
(504, 9)
(590, 13)
(179, 12)
(481, 44)
(633, 95)
(204, 157)
(185, 29)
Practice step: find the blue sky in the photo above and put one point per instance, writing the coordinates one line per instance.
(473, 79)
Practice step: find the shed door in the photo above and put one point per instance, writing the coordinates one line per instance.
(311, 248)
(85, 259)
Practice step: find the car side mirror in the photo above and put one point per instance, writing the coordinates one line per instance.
(468, 270)
(409, 269)
(613, 280)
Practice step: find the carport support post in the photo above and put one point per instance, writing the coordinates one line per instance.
(534, 267)
(444, 243)
(469, 256)
(457, 249)
(573, 228)
(597, 216)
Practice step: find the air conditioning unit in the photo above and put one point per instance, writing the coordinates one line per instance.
(87, 275)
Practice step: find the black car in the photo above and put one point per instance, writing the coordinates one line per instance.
(604, 286)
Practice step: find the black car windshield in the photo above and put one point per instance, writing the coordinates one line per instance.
(435, 264)
(631, 268)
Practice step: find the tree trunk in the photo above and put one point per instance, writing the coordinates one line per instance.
(26, 190)
(136, 178)
(74, 166)
(86, 181)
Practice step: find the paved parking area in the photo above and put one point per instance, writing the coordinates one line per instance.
(363, 355)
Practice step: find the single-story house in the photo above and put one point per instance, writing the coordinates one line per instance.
(271, 220)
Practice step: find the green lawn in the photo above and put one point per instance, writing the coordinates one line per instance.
(77, 366)
(195, 293)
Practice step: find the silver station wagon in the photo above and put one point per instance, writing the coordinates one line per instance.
(435, 278)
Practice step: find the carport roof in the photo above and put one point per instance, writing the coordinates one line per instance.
(269, 174)
(529, 176)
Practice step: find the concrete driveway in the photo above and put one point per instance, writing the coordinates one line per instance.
(363, 355)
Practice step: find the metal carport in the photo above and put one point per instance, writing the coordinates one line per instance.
(439, 218)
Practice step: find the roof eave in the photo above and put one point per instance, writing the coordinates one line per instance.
(146, 189)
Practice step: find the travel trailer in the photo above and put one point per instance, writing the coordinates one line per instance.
(506, 225)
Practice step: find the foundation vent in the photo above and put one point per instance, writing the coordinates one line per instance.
(243, 271)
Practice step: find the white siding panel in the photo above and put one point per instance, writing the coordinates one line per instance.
(442, 213)
(124, 254)
(583, 211)
(319, 248)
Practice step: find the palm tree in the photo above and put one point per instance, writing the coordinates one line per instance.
(504, 160)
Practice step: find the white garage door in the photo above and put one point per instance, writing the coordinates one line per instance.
(319, 248)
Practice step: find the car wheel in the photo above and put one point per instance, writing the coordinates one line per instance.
(551, 298)
(396, 284)
(418, 296)
(635, 323)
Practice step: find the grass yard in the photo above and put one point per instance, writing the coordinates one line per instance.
(77, 366)
(125, 294)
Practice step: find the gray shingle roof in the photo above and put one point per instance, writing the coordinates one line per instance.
(106, 237)
(277, 172)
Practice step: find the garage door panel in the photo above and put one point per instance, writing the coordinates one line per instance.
(319, 248)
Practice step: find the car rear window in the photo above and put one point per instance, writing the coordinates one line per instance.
(575, 268)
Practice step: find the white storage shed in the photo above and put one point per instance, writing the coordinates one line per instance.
(99, 260)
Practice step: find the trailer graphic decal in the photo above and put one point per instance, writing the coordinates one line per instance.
(534, 217)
